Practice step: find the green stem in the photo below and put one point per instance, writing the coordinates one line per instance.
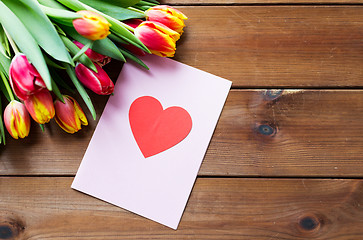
(83, 50)
(135, 10)
(11, 41)
(41, 126)
(8, 88)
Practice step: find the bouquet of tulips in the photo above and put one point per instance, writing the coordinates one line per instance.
(41, 38)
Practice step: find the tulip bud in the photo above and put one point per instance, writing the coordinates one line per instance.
(24, 78)
(40, 106)
(99, 82)
(134, 23)
(158, 38)
(69, 115)
(170, 17)
(92, 25)
(17, 120)
(94, 56)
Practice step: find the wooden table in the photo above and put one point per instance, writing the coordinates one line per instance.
(286, 158)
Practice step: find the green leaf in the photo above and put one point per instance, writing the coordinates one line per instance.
(142, 7)
(5, 64)
(120, 3)
(3, 87)
(132, 57)
(153, 1)
(2, 129)
(81, 90)
(147, 3)
(61, 16)
(103, 46)
(52, 4)
(40, 27)
(56, 91)
(25, 42)
(59, 30)
(117, 39)
(4, 43)
(58, 80)
(82, 50)
(84, 59)
(112, 9)
(117, 27)
(51, 63)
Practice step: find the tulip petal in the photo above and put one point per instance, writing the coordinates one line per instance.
(40, 106)
(80, 114)
(158, 38)
(69, 115)
(16, 119)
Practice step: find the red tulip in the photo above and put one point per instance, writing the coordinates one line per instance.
(158, 38)
(133, 22)
(94, 56)
(17, 120)
(99, 82)
(24, 78)
(92, 25)
(170, 17)
(69, 115)
(40, 106)
(132, 48)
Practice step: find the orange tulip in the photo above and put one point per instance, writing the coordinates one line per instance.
(92, 25)
(17, 120)
(170, 17)
(40, 106)
(158, 38)
(69, 115)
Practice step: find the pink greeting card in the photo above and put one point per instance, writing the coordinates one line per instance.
(151, 139)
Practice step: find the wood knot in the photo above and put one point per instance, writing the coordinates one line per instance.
(6, 232)
(310, 223)
(11, 229)
(266, 129)
(272, 94)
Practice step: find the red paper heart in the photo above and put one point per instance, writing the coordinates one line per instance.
(156, 130)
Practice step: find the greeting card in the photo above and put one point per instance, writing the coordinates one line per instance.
(151, 139)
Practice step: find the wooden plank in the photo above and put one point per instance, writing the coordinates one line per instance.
(260, 133)
(46, 208)
(233, 2)
(288, 133)
(288, 46)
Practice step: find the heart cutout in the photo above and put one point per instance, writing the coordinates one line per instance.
(155, 129)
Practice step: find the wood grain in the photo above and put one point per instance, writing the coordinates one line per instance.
(289, 46)
(288, 133)
(260, 133)
(46, 208)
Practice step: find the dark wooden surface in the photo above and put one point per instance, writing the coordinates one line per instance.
(286, 158)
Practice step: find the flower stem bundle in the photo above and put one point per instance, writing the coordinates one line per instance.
(39, 39)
